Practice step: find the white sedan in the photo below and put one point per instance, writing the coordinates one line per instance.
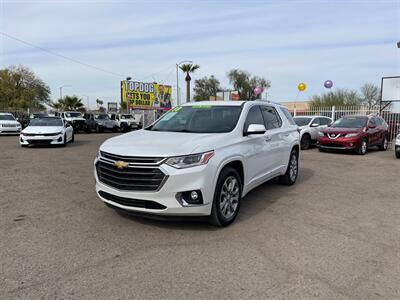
(47, 131)
(8, 124)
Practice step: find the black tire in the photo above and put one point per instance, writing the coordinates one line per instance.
(64, 140)
(224, 215)
(362, 149)
(292, 170)
(305, 142)
(384, 145)
(397, 154)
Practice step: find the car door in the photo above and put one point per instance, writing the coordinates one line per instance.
(256, 147)
(278, 150)
(373, 132)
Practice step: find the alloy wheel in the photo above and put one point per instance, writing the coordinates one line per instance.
(229, 197)
(293, 168)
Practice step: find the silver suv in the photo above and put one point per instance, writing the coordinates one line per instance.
(309, 127)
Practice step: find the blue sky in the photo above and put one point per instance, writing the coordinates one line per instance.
(287, 42)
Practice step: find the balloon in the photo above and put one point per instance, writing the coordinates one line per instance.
(257, 91)
(302, 87)
(328, 84)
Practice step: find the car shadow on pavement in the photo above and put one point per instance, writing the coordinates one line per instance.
(254, 203)
(262, 197)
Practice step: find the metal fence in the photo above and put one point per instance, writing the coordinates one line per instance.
(391, 118)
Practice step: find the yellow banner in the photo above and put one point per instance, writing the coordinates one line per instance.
(146, 95)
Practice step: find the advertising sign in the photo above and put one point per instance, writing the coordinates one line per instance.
(142, 95)
(112, 106)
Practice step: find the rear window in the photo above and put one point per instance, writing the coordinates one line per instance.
(301, 121)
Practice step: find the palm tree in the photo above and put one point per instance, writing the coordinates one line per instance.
(68, 103)
(188, 68)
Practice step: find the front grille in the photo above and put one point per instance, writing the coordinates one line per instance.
(131, 178)
(133, 160)
(9, 125)
(132, 202)
(41, 134)
(39, 142)
(333, 145)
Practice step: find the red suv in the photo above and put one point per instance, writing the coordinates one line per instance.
(354, 133)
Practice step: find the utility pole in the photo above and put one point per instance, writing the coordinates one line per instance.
(61, 87)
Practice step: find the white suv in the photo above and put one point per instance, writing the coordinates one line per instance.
(309, 127)
(200, 159)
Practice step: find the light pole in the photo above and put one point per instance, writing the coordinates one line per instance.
(63, 86)
(88, 103)
(177, 79)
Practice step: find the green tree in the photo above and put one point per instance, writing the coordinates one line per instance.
(99, 102)
(339, 97)
(245, 83)
(68, 103)
(188, 68)
(206, 87)
(20, 88)
(370, 95)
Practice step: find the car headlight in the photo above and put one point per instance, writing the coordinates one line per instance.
(350, 135)
(188, 161)
(321, 133)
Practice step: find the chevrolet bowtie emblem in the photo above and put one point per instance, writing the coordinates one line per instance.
(121, 164)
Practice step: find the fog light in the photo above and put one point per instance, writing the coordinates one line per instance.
(190, 198)
(194, 195)
(59, 139)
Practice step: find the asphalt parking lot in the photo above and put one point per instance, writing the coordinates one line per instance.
(333, 235)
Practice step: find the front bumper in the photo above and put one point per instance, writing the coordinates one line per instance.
(41, 140)
(179, 180)
(10, 130)
(339, 143)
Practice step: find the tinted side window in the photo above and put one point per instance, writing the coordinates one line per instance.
(254, 116)
(288, 115)
(378, 121)
(271, 117)
(323, 121)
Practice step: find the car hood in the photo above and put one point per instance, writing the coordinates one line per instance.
(12, 122)
(342, 130)
(162, 144)
(43, 129)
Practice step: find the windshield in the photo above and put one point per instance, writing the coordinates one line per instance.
(73, 114)
(199, 119)
(302, 121)
(350, 122)
(46, 122)
(103, 117)
(6, 118)
(126, 117)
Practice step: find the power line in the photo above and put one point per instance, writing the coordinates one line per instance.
(62, 56)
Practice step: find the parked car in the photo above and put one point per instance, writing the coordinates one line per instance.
(199, 160)
(38, 115)
(309, 127)
(76, 120)
(47, 131)
(355, 133)
(397, 146)
(125, 122)
(103, 123)
(91, 124)
(9, 125)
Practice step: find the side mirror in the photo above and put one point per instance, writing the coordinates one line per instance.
(255, 129)
(314, 125)
(67, 125)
